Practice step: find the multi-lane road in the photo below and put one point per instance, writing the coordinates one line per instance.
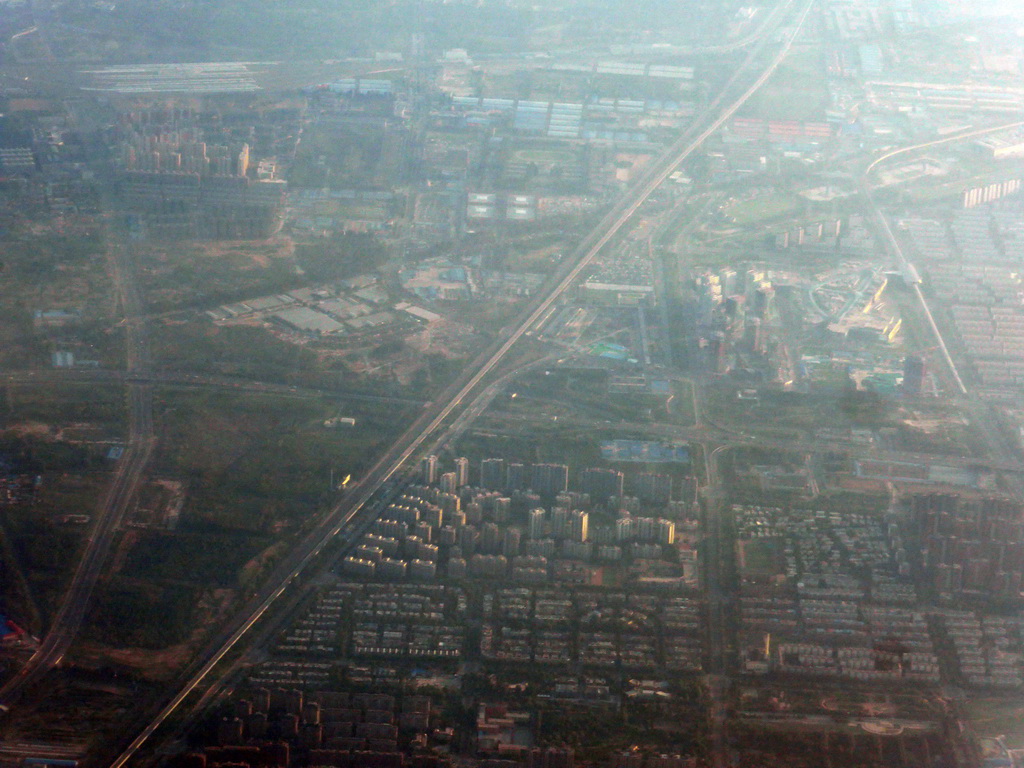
(459, 395)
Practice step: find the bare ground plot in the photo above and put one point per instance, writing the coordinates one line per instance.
(200, 274)
(64, 411)
(263, 463)
(72, 710)
(236, 350)
(161, 662)
(55, 294)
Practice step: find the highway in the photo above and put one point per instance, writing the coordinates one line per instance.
(612, 223)
(360, 524)
(395, 459)
(129, 472)
(482, 401)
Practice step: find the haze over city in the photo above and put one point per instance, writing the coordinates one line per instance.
(577, 384)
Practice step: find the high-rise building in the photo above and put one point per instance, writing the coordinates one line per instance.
(540, 548)
(536, 525)
(653, 488)
(461, 471)
(490, 538)
(428, 469)
(578, 525)
(492, 474)
(666, 531)
(468, 540)
(601, 484)
(689, 489)
(549, 479)
(511, 542)
(229, 731)
(558, 522)
(431, 514)
(502, 507)
(754, 335)
(728, 281)
(449, 482)
(242, 166)
(451, 510)
(645, 530)
(914, 372)
(763, 301)
(517, 477)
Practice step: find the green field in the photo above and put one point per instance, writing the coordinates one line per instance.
(759, 557)
(680, 408)
(747, 212)
(992, 716)
(262, 463)
(542, 156)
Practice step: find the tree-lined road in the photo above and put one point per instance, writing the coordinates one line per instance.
(194, 380)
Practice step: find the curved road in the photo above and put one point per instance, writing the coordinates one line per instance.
(894, 245)
(1003, 452)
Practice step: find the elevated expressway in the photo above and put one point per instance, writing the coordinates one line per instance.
(354, 509)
